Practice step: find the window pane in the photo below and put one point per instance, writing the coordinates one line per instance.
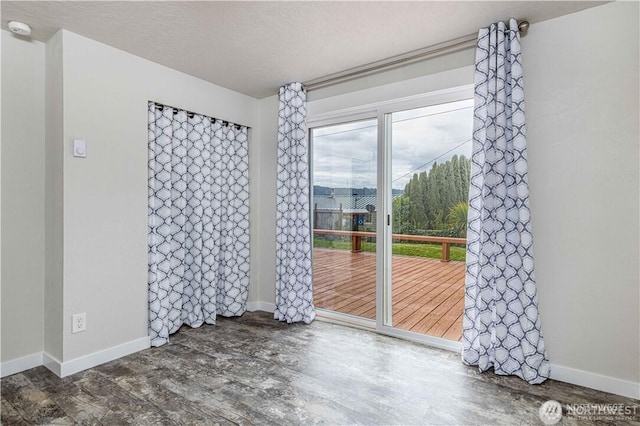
(431, 148)
(344, 217)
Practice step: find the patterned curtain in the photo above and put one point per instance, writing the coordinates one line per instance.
(198, 220)
(501, 325)
(294, 290)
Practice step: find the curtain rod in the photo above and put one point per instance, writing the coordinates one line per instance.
(191, 114)
(450, 46)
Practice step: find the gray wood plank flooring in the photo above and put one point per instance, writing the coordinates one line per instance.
(254, 370)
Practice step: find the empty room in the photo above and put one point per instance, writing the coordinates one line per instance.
(314, 212)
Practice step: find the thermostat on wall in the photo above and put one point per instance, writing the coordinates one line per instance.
(79, 148)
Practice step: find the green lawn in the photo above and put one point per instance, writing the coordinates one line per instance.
(433, 251)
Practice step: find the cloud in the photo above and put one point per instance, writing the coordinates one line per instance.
(346, 155)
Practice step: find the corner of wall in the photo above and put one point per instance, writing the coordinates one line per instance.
(54, 127)
(267, 198)
(255, 211)
(23, 145)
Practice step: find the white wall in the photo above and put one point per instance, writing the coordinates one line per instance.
(105, 195)
(53, 283)
(254, 216)
(581, 83)
(22, 196)
(266, 230)
(404, 91)
(434, 65)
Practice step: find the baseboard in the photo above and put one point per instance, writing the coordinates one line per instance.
(21, 364)
(52, 363)
(595, 381)
(261, 306)
(67, 368)
(92, 360)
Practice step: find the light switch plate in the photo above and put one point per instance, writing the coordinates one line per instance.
(79, 148)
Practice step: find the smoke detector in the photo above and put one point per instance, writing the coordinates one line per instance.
(19, 28)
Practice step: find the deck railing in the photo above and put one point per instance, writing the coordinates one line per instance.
(356, 240)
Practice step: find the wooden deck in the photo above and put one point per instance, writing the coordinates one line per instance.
(428, 295)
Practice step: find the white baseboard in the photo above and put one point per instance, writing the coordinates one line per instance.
(92, 360)
(261, 306)
(18, 365)
(63, 369)
(595, 381)
(52, 363)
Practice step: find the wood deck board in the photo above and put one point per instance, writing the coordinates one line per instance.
(428, 289)
(442, 325)
(428, 295)
(454, 332)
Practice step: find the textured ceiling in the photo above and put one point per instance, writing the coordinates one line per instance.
(254, 47)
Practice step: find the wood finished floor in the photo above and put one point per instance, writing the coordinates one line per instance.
(254, 370)
(428, 295)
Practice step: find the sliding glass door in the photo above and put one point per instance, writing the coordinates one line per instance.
(344, 217)
(389, 217)
(430, 150)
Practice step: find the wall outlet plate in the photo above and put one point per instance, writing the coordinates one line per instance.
(78, 323)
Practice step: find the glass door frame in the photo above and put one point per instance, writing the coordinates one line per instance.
(334, 119)
(382, 112)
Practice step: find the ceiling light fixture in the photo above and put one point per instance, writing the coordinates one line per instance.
(20, 28)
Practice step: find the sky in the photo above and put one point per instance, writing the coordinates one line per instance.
(345, 155)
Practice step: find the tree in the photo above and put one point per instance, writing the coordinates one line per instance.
(402, 206)
(432, 194)
(457, 218)
(431, 198)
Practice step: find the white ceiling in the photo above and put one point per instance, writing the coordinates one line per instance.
(255, 47)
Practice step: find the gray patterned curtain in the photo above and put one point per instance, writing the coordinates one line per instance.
(501, 325)
(294, 290)
(198, 220)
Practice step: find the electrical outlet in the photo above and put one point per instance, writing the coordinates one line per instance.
(78, 323)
